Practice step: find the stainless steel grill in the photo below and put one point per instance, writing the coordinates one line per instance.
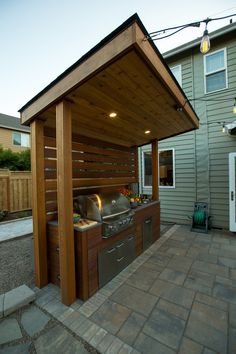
(111, 209)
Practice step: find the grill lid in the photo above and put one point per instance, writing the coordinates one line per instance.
(103, 206)
(114, 204)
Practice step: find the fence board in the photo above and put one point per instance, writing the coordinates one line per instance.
(3, 193)
(15, 190)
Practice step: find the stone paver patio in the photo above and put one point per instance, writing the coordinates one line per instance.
(177, 297)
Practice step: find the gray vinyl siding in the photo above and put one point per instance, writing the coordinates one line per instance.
(201, 156)
(175, 208)
(220, 145)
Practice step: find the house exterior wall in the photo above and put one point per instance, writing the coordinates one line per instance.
(6, 140)
(220, 145)
(201, 157)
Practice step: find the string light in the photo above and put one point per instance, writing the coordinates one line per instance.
(205, 42)
(234, 109)
(223, 125)
(204, 99)
(204, 48)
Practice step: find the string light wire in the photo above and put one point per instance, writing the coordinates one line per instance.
(155, 35)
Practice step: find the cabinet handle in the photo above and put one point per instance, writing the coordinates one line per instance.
(58, 277)
(147, 221)
(120, 259)
(57, 249)
(120, 245)
(111, 250)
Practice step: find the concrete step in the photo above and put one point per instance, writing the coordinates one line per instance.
(15, 299)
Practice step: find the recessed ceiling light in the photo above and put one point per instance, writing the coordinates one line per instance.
(147, 131)
(112, 114)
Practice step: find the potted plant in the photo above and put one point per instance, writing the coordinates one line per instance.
(133, 198)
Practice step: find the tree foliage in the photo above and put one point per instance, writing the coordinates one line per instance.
(15, 161)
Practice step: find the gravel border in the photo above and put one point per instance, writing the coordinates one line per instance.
(16, 263)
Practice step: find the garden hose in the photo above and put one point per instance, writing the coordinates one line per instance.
(199, 217)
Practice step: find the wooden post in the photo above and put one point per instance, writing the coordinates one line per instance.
(136, 164)
(65, 202)
(38, 203)
(155, 191)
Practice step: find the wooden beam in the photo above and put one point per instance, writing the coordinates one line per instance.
(146, 50)
(155, 191)
(65, 202)
(99, 59)
(38, 203)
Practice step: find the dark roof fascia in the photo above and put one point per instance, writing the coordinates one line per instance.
(226, 30)
(102, 43)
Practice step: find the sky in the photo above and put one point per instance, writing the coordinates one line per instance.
(39, 39)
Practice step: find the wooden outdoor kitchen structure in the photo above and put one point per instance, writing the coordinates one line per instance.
(77, 148)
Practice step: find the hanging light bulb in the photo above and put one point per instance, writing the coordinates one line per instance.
(234, 109)
(205, 42)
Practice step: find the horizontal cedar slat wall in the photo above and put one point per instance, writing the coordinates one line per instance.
(93, 174)
(95, 164)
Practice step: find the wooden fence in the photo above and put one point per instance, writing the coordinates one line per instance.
(15, 190)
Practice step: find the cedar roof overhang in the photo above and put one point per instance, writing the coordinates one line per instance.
(126, 74)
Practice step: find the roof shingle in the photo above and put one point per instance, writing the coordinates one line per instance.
(13, 123)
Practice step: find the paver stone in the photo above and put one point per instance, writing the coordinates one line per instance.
(58, 340)
(9, 330)
(34, 320)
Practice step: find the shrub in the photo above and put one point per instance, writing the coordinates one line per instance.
(15, 161)
(24, 160)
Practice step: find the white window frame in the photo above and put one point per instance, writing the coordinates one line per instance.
(173, 157)
(143, 176)
(180, 70)
(216, 71)
(17, 132)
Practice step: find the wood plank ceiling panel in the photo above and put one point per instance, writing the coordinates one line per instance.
(129, 88)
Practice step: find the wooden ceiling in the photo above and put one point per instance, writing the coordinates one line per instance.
(128, 78)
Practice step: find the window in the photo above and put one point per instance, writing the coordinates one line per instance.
(166, 168)
(177, 72)
(21, 139)
(147, 175)
(215, 71)
(16, 139)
